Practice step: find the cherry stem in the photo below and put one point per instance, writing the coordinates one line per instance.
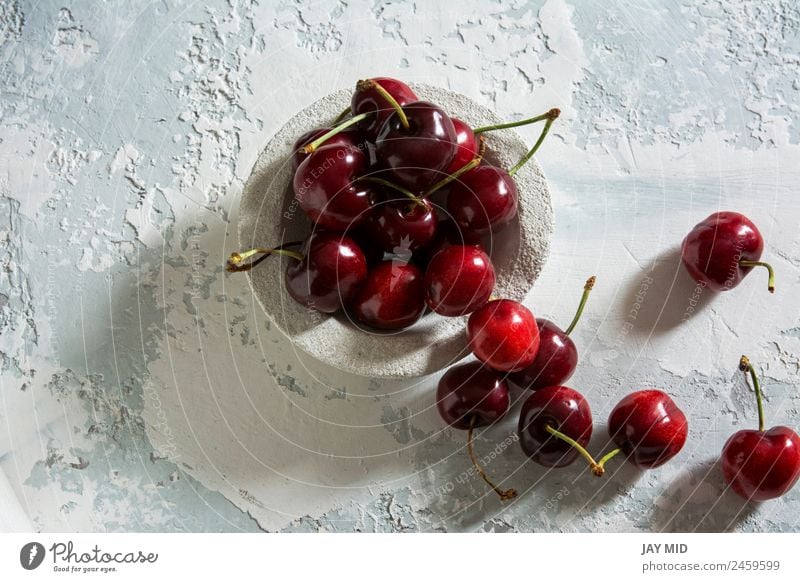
(311, 148)
(390, 100)
(551, 115)
(504, 494)
(511, 124)
(587, 288)
(408, 193)
(745, 366)
(342, 115)
(473, 163)
(236, 259)
(771, 281)
(597, 468)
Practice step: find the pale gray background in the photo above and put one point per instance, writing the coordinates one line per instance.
(143, 389)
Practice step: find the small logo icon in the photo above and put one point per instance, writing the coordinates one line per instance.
(31, 555)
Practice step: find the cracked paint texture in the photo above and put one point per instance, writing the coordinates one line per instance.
(144, 390)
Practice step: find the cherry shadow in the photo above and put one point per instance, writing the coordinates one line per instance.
(699, 501)
(663, 297)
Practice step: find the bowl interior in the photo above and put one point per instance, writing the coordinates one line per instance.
(270, 215)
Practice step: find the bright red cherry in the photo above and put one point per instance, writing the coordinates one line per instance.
(469, 146)
(392, 296)
(557, 357)
(326, 188)
(472, 395)
(503, 334)
(348, 137)
(560, 409)
(329, 274)
(416, 156)
(459, 279)
(402, 226)
(484, 200)
(447, 235)
(370, 97)
(761, 464)
(722, 249)
(648, 427)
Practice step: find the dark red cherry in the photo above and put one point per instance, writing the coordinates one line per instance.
(761, 465)
(722, 249)
(649, 428)
(560, 408)
(555, 361)
(325, 188)
(447, 235)
(503, 334)
(402, 226)
(468, 146)
(471, 395)
(329, 274)
(459, 279)
(392, 296)
(416, 157)
(348, 137)
(367, 99)
(483, 200)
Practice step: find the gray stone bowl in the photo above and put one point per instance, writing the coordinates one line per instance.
(269, 215)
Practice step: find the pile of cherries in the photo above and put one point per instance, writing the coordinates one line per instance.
(385, 253)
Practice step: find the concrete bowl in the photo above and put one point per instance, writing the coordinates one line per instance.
(269, 216)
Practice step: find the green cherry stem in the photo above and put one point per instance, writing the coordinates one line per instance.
(408, 193)
(342, 115)
(236, 261)
(504, 494)
(311, 148)
(767, 266)
(598, 469)
(473, 163)
(369, 83)
(511, 124)
(745, 366)
(587, 288)
(551, 115)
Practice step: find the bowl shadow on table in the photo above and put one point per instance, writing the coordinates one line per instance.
(663, 297)
(701, 502)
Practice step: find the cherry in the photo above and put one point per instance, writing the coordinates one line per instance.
(348, 137)
(326, 188)
(392, 296)
(761, 464)
(469, 145)
(379, 96)
(503, 334)
(329, 269)
(459, 280)
(402, 227)
(557, 357)
(470, 396)
(552, 421)
(719, 251)
(418, 152)
(648, 427)
(447, 235)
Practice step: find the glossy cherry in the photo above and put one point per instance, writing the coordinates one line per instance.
(401, 227)
(369, 98)
(557, 357)
(325, 186)
(761, 464)
(722, 249)
(471, 396)
(418, 156)
(483, 200)
(348, 137)
(648, 427)
(459, 279)
(392, 296)
(447, 235)
(554, 408)
(469, 146)
(503, 334)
